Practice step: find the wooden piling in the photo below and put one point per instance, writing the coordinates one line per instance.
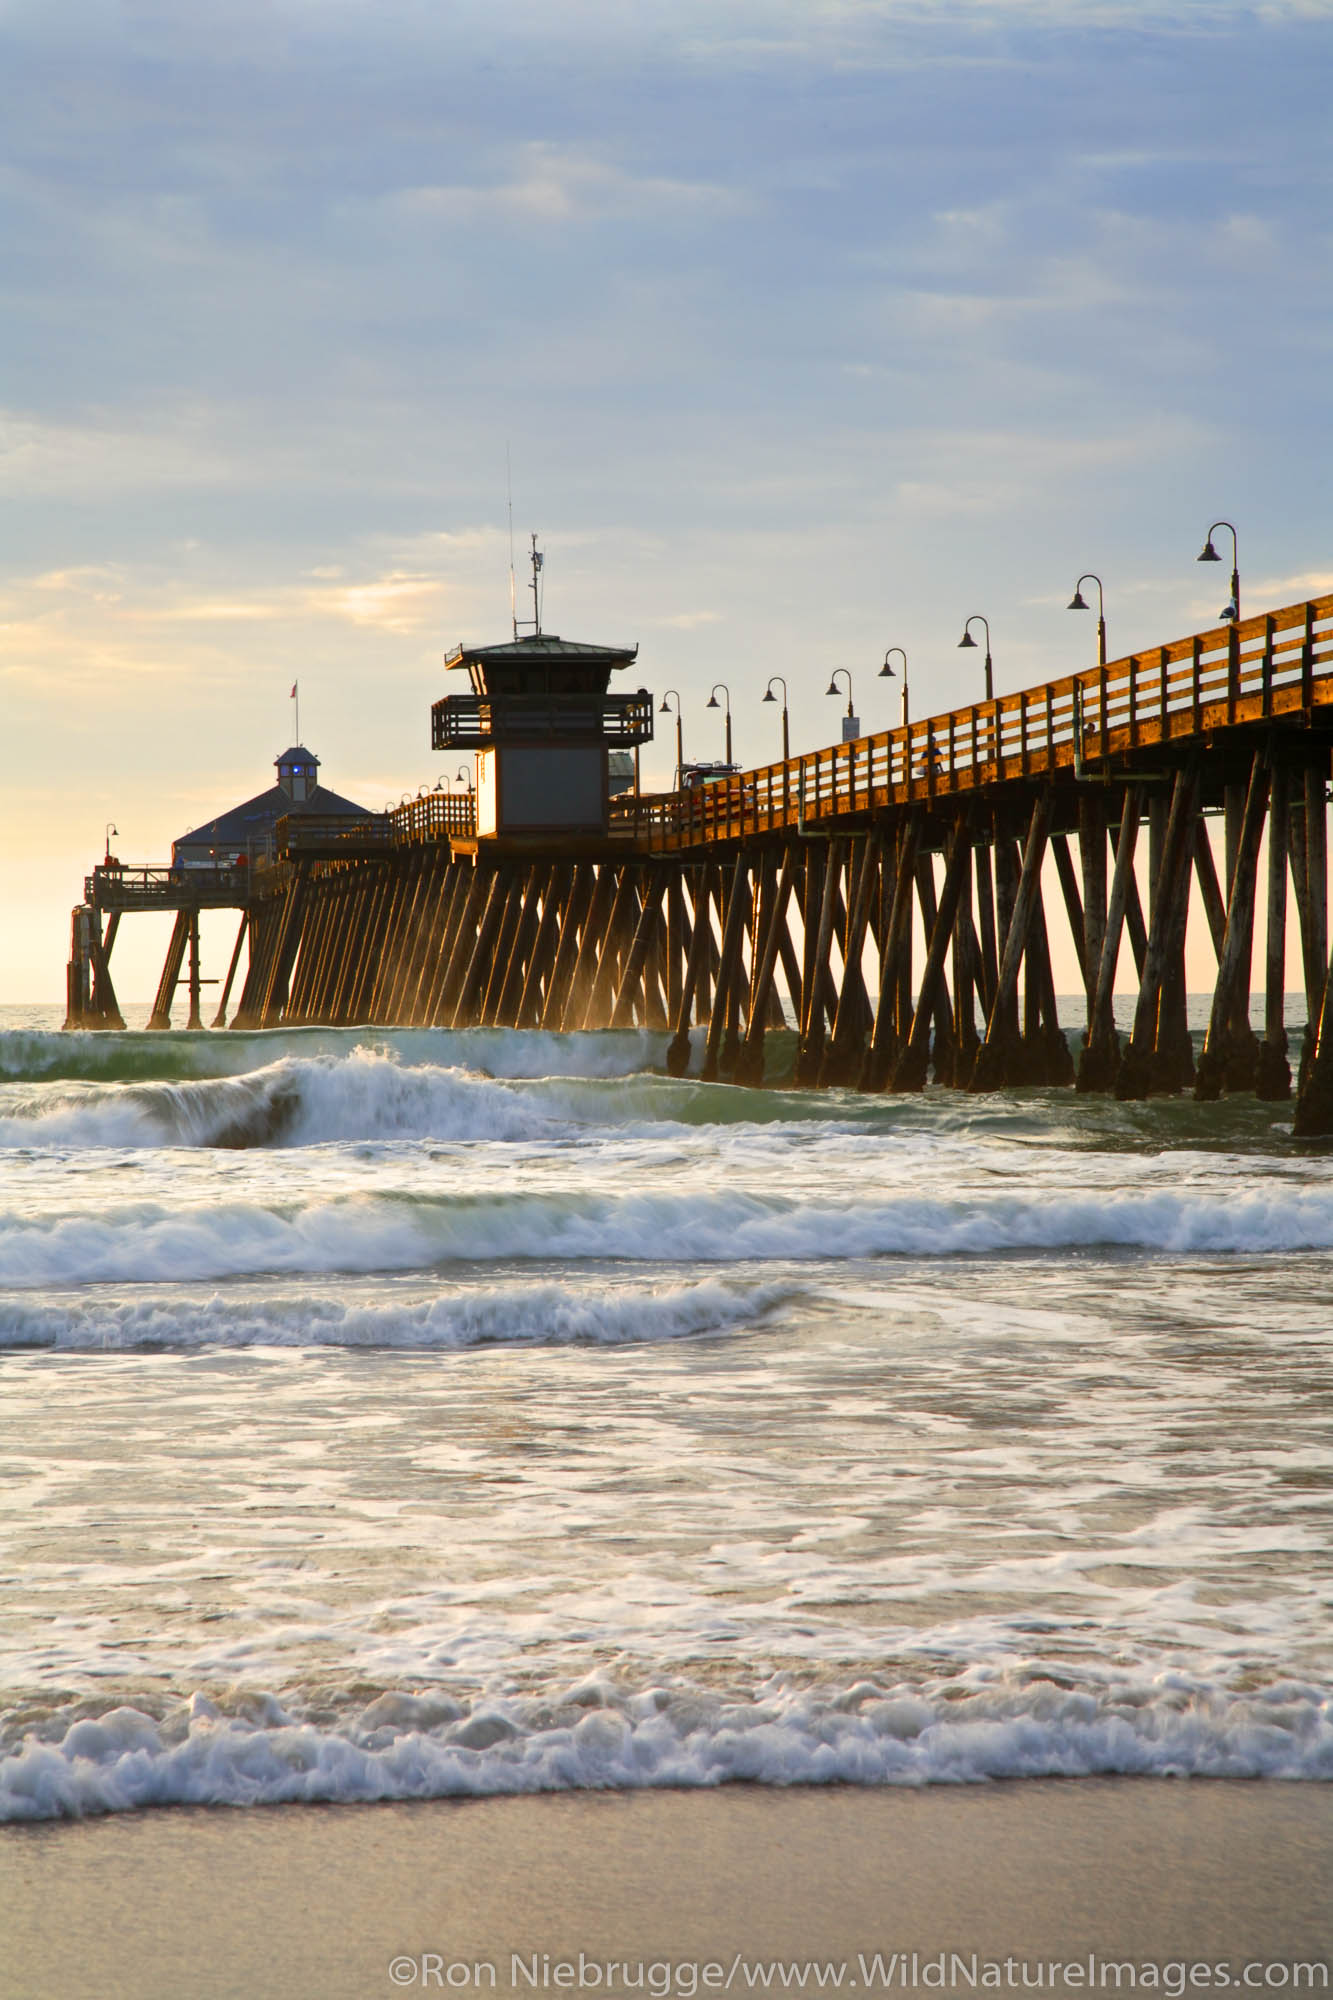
(909, 1072)
(1273, 1074)
(1101, 1054)
(1222, 1044)
(890, 1029)
(1139, 1073)
(999, 1059)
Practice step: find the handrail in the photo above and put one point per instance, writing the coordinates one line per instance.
(429, 816)
(434, 816)
(1278, 663)
(297, 833)
(113, 886)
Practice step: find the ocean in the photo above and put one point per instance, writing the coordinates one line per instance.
(419, 1415)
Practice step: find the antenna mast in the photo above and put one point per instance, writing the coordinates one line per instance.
(536, 598)
(509, 498)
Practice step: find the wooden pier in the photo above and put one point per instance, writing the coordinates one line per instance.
(816, 874)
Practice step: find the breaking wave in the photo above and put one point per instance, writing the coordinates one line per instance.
(149, 1241)
(297, 1101)
(489, 1315)
(35, 1055)
(254, 1749)
(509, 1087)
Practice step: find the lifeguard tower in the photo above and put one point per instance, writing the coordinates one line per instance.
(543, 723)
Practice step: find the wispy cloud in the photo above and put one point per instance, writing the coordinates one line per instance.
(560, 184)
(687, 621)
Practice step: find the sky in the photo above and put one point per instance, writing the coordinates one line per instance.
(797, 331)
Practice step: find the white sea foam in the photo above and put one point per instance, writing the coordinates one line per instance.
(151, 1241)
(474, 1316)
(425, 1744)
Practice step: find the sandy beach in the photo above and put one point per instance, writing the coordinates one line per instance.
(344, 1903)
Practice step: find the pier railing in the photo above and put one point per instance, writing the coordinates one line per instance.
(1275, 665)
(432, 816)
(111, 887)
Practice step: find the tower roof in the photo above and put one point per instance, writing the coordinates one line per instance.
(542, 649)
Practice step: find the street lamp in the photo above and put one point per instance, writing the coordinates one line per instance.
(110, 829)
(1230, 613)
(712, 702)
(769, 695)
(968, 640)
(463, 776)
(1078, 603)
(851, 728)
(833, 688)
(680, 739)
(886, 673)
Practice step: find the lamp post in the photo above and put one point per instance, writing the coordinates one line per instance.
(833, 688)
(680, 739)
(463, 776)
(712, 702)
(1230, 614)
(968, 640)
(851, 728)
(110, 829)
(769, 695)
(886, 673)
(1078, 603)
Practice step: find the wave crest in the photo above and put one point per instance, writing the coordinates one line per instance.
(149, 1242)
(425, 1744)
(472, 1316)
(297, 1101)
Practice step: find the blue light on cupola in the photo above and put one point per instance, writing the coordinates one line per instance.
(298, 770)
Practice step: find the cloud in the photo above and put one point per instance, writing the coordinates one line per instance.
(111, 452)
(560, 184)
(1289, 589)
(687, 621)
(399, 602)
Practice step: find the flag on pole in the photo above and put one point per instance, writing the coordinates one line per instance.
(292, 695)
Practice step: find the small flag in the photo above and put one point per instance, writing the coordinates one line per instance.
(292, 695)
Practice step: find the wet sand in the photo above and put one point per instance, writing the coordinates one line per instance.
(341, 1903)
